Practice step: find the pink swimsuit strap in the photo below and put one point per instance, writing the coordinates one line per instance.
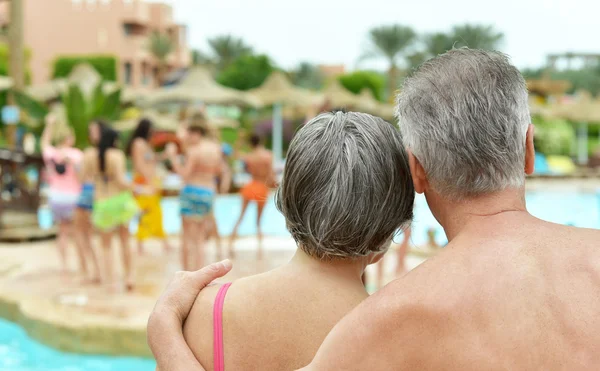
(218, 355)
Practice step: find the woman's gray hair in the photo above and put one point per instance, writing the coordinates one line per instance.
(346, 187)
(464, 115)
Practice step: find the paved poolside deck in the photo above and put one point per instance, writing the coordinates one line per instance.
(67, 314)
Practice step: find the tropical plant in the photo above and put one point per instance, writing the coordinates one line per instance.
(246, 72)
(553, 136)
(308, 76)
(81, 109)
(358, 80)
(161, 45)
(227, 49)
(391, 42)
(476, 37)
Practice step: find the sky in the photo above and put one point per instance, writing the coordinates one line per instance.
(335, 32)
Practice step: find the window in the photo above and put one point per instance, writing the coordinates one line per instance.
(145, 74)
(128, 73)
(127, 29)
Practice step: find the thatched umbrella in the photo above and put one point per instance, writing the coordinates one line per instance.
(546, 87)
(168, 122)
(338, 96)
(278, 91)
(83, 75)
(367, 102)
(537, 109)
(582, 110)
(199, 86)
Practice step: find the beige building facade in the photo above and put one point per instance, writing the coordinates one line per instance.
(121, 28)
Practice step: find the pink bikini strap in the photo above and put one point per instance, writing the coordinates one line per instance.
(218, 355)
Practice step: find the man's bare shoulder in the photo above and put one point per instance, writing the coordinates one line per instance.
(396, 326)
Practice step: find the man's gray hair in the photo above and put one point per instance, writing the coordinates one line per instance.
(464, 116)
(346, 186)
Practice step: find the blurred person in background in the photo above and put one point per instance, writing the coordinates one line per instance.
(147, 186)
(85, 203)
(62, 163)
(114, 205)
(202, 164)
(259, 164)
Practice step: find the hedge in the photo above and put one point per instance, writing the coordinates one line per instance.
(106, 65)
(358, 80)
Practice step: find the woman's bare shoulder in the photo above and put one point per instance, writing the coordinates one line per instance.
(198, 328)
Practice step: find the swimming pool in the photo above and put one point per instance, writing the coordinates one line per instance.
(20, 353)
(564, 207)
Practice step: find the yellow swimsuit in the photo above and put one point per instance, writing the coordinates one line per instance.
(151, 221)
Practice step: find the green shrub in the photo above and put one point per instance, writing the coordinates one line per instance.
(105, 65)
(554, 136)
(246, 72)
(4, 62)
(357, 81)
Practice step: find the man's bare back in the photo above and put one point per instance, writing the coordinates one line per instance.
(510, 293)
(259, 164)
(205, 161)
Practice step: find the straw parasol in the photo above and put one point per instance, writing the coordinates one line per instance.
(338, 96)
(367, 102)
(545, 86)
(169, 122)
(199, 86)
(277, 88)
(83, 75)
(278, 91)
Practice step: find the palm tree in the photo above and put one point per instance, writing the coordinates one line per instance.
(200, 58)
(228, 48)
(477, 36)
(438, 43)
(308, 75)
(161, 45)
(391, 42)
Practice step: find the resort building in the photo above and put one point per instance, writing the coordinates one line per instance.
(120, 28)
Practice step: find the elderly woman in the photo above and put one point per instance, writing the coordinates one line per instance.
(346, 191)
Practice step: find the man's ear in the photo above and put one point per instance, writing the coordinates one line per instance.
(417, 172)
(529, 150)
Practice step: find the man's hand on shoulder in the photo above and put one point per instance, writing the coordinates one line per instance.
(165, 325)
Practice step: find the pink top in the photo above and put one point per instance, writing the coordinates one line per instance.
(61, 168)
(218, 356)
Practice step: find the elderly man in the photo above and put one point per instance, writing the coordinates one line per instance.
(509, 291)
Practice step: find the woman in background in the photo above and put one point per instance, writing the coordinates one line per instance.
(83, 221)
(147, 186)
(114, 205)
(62, 162)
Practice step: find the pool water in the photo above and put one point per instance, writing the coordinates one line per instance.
(20, 353)
(574, 208)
